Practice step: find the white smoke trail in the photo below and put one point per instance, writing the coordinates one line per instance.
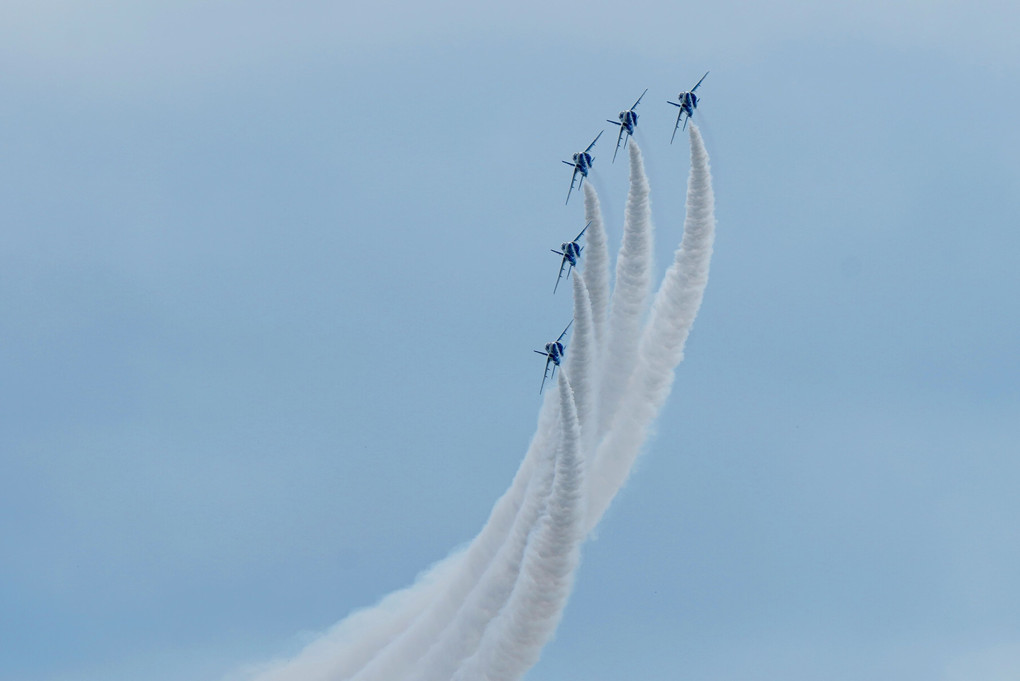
(351, 642)
(491, 594)
(415, 616)
(630, 292)
(460, 639)
(514, 640)
(596, 263)
(662, 344)
(580, 363)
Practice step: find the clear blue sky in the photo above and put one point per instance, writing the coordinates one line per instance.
(270, 280)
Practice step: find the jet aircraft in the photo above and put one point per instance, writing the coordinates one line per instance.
(627, 123)
(553, 354)
(688, 103)
(582, 164)
(571, 251)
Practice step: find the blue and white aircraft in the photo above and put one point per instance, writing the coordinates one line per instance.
(688, 103)
(553, 355)
(627, 123)
(582, 164)
(571, 251)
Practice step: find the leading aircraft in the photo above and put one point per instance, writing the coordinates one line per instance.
(553, 354)
(688, 103)
(582, 164)
(627, 123)
(571, 251)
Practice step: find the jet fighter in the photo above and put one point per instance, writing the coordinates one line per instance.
(627, 123)
(688, 103)
(582, 164)
(553, 355)
(571, 251)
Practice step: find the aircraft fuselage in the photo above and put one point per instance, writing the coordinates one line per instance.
(688, 102)
(628, 119)
(583, 162)
(571, 251)
(554, 351)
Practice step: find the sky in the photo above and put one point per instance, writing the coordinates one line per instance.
(271, 278)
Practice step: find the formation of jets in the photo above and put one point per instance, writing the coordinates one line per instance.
(581, 163)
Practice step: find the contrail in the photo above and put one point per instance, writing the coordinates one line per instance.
(630, 292)
(350, 643)
(596, 263)
(491, 555)
(514, 641)
(662, 344)
(581, 363)
(375, 632)
(460, 639)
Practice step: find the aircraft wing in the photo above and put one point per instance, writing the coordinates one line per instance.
(565, 331)
(699, 82)
(620, 137)
(678, 117)
(581, 233)
(562, 265)
(546, 374)
(594, 141)
(639, 98)
(572, 178)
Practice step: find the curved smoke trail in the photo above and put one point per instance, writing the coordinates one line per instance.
(385, 635)
(662, 344)
(580, 362)
(629, 299)
(460, 639)
(349, 644)
(513, 642)
(596, 263)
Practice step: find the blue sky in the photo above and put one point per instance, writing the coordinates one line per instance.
(271, 278)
